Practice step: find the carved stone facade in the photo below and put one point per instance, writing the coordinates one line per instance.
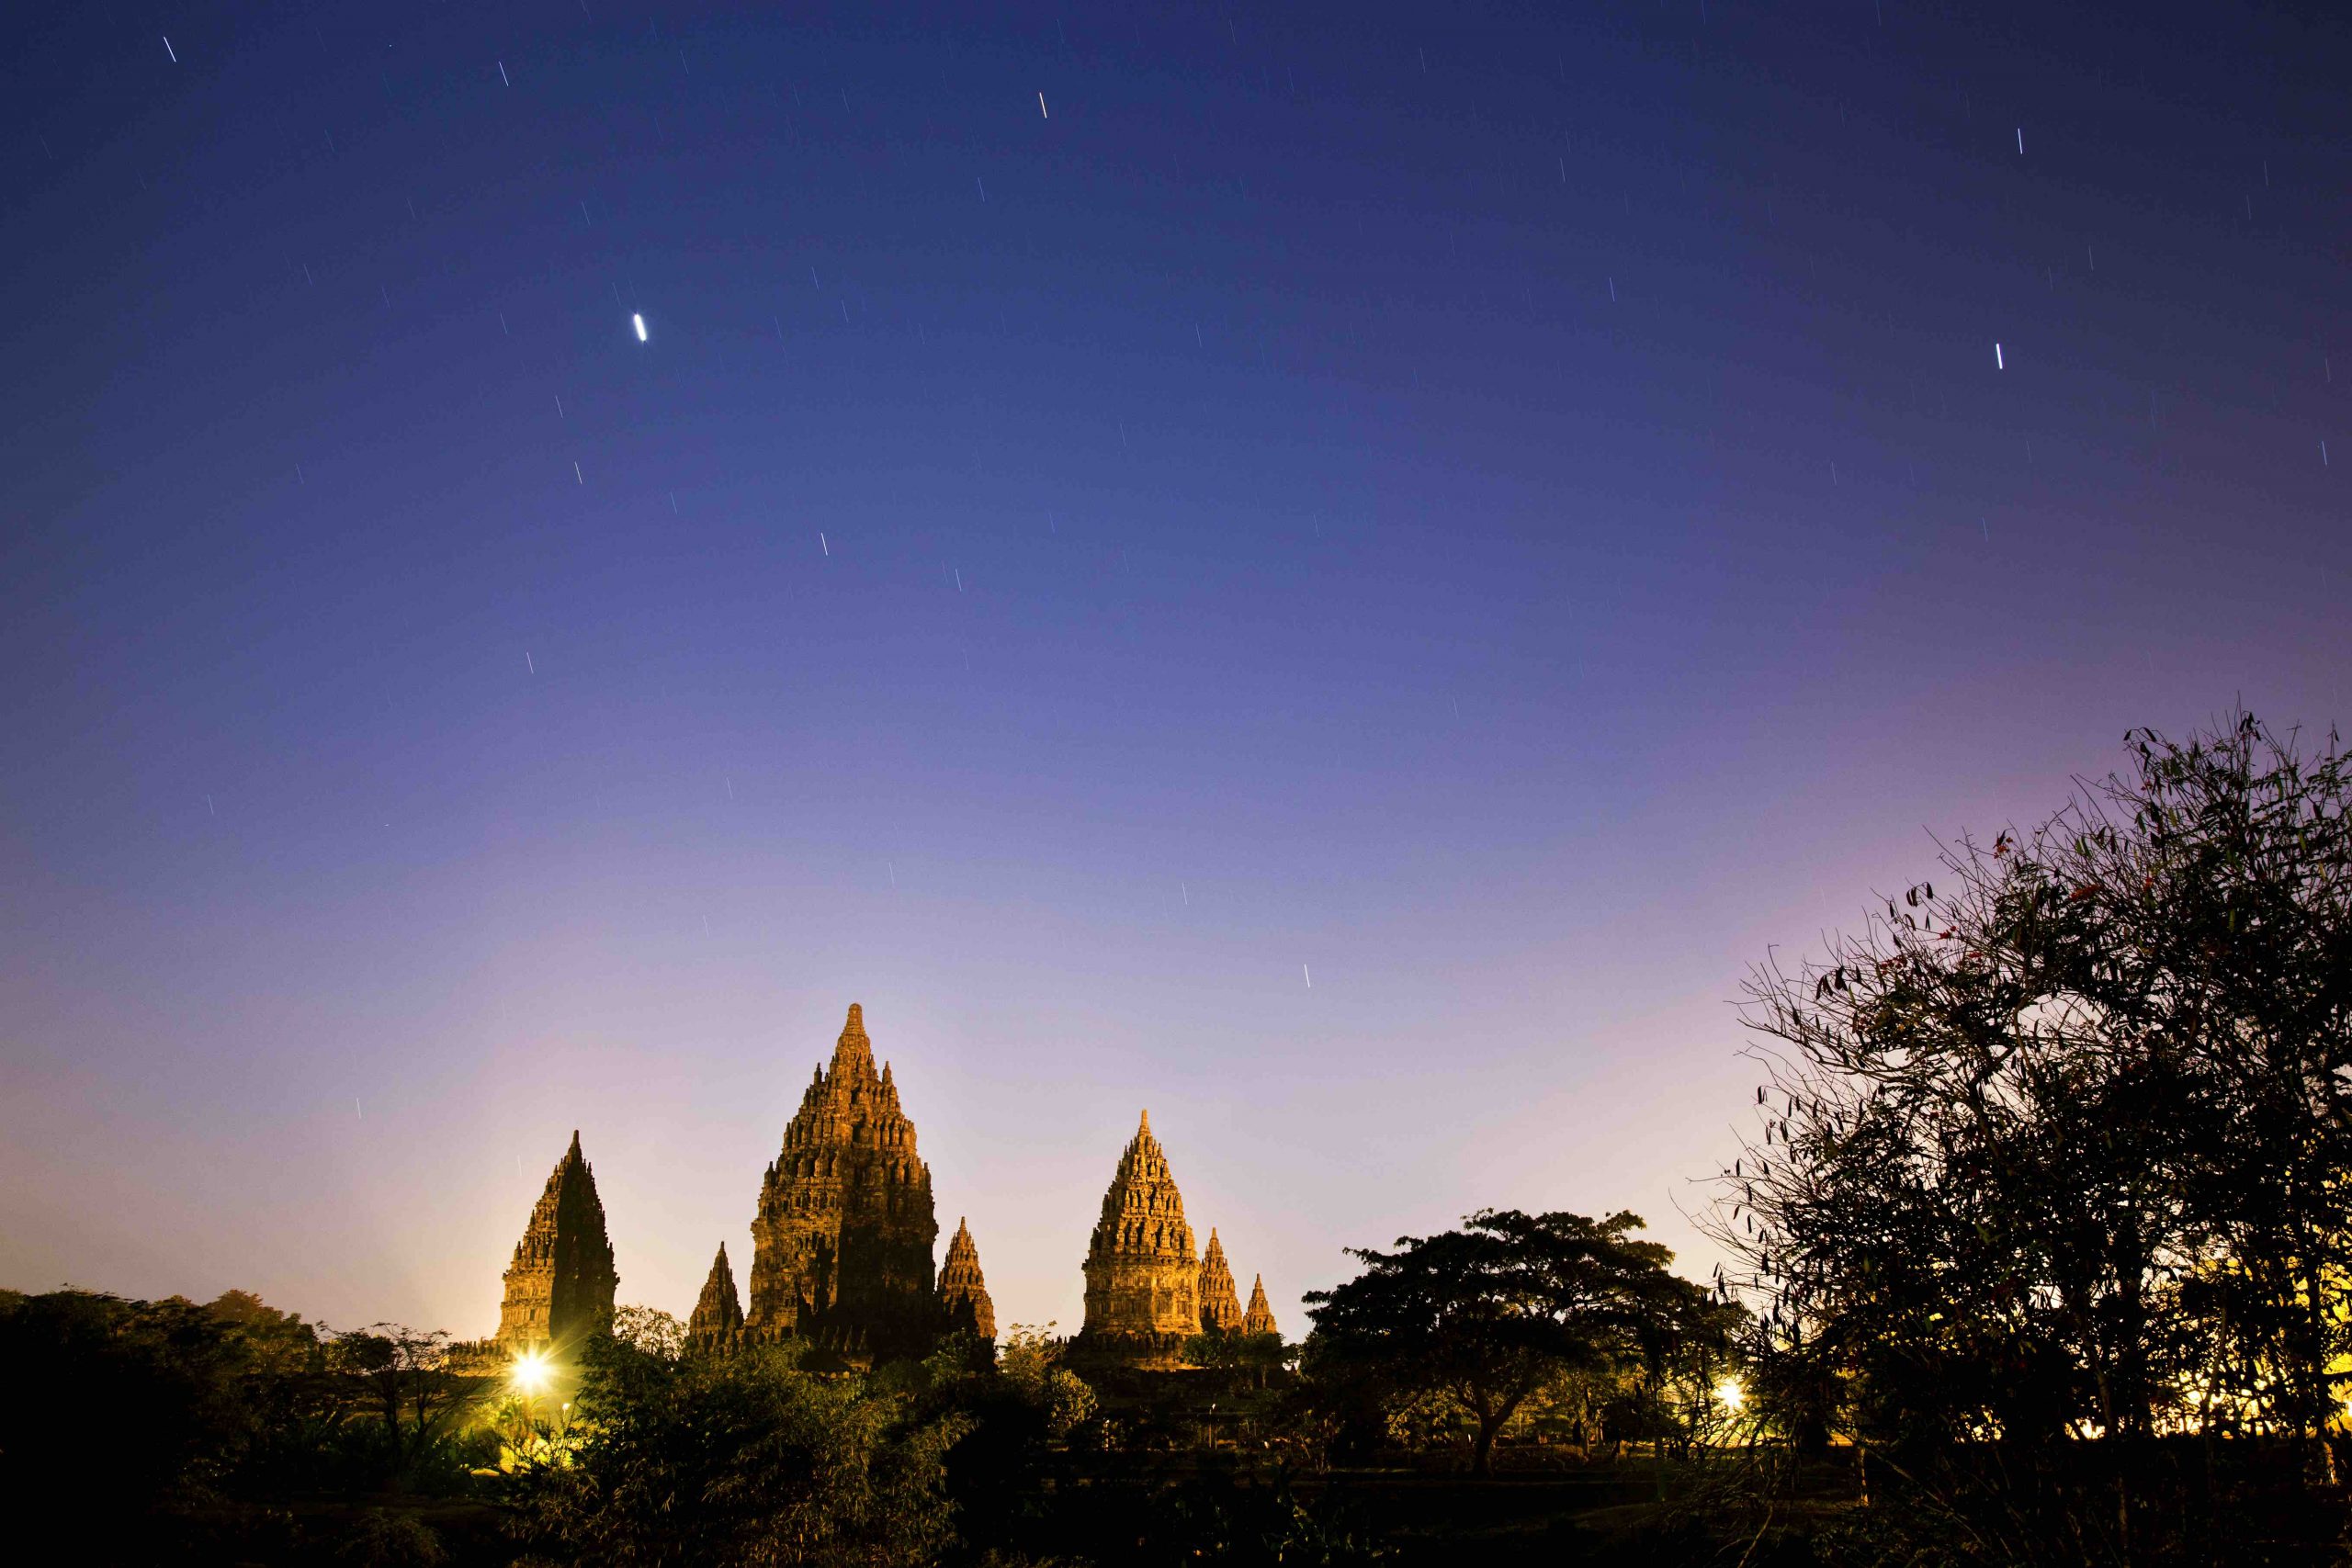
(842, 1246)
(560, 1284)
(1143, 1281)
(1220, 1308)
(963, 1293)
(718, 1320)
(1260, 1319)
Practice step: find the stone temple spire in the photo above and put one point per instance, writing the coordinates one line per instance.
(852, 1047)
(1220, 1308)
(718, 1319)
(842, 1244)
(1260, 1317)
(962, 1291)
(560, 1284)
(1143, 1297)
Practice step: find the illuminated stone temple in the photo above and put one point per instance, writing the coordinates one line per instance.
(1220, 1308)
(842, 1244)
(560, 1284)
(1143, 1280)
(963, 1293)
(1260, 1319)
(718, 1320)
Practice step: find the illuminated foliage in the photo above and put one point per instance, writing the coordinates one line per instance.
(739, 1458)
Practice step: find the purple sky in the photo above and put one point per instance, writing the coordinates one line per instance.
(1513, 517)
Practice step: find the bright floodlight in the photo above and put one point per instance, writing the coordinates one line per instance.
(532, 1371)
(639, 322)
(1729, 1394)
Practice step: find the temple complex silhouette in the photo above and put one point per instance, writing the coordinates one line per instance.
(842, 1237)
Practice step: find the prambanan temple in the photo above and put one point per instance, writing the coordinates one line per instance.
(843, 1241)
(562, 1281)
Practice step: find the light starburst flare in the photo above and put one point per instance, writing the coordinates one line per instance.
(531, 1371)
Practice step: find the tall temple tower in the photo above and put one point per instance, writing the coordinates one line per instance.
(962, 1292)
(1220, 1308)
(842, 1246)
(560, 1284)
(1143, 1285)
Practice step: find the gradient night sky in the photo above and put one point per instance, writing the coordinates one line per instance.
(1515, 516)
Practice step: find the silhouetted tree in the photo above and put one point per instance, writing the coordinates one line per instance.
(1030, 1361)
(2060, 1148)
(170, 1411)
(145, 1394)
(1484, 1316)
(409, 1379)
(1257, 1357)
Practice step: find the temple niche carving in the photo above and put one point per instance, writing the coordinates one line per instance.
(560, 1285)
(1143, 1282)
(963, 1293)
(1220, 1308)
(842, 1244)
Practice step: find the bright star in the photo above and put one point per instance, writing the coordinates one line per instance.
(639, 322)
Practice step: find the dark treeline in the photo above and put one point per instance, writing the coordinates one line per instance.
(148, 1429)
(2039, 1256)
(1530, 1344)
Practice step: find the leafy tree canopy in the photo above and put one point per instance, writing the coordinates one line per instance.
(1485, 1315)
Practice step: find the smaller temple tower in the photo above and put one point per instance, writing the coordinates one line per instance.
(1260, 1317)
(962, 1292)
(718, 1320)
(1143, 1280)
(560, 1284)
(1220, 1308)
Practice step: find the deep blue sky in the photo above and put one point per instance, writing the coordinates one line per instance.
(1509, 511)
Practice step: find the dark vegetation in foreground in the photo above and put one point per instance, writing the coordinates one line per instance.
(2041, 1250)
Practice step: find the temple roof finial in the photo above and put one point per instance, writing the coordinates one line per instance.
(1146, 1128)
(854, 1046)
